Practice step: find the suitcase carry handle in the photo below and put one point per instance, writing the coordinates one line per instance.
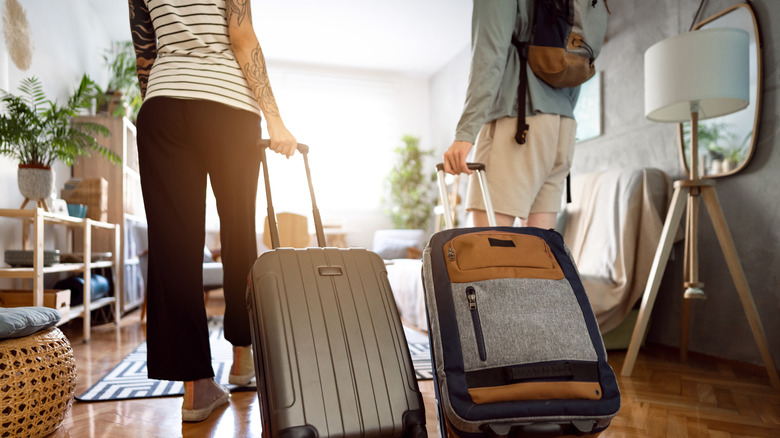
(479, 169)
(265, 143)
(272, 227)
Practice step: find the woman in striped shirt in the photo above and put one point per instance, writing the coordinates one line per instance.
(203, 77)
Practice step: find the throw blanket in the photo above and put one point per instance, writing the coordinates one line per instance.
(612, 228)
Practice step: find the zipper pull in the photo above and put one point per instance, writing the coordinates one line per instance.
(451, 254)
(471, 295)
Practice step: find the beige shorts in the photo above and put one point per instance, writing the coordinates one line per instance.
(526, 178)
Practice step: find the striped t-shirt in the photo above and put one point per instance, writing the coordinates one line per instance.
(194, 57)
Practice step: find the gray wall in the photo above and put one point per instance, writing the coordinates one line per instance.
(718, 325)
(749, 199)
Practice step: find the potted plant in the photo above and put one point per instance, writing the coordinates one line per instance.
(36, 132)
(122, 95)
(411, 201)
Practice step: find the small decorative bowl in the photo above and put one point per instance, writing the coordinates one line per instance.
(77, 210)
(24, 258)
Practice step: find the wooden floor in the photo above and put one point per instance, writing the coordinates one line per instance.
(664, 398)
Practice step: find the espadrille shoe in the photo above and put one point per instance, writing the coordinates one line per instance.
(243, 370)
(201, 398)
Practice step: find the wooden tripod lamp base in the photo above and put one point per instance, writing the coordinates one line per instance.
(676, 92)
(684, 191)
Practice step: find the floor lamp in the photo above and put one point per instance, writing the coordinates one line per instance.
(695, 76)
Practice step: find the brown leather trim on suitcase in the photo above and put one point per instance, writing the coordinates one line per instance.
(537, 391)
(489, 255)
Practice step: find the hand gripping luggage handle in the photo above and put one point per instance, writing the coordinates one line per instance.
(272, 227)
(479, 168)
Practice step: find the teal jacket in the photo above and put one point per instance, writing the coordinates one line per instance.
(495, 69)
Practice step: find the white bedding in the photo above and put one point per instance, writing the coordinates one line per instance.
(405, 276)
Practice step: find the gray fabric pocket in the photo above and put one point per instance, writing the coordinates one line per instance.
(520, 321)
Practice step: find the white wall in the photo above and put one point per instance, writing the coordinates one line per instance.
(68, 39)
(448, 95)
(80, 39)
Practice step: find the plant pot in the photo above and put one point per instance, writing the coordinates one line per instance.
(35, 183)
(109, 103)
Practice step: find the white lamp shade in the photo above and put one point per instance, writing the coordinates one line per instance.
(708, 66)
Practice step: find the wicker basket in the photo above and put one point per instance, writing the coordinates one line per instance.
(92, 192)
(37, 383)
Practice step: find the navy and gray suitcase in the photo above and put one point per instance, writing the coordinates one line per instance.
(331, 356)
(515, 344)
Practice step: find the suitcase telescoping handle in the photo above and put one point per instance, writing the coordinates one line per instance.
(272, 227)
(479, 169)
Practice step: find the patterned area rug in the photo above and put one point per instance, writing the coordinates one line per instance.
(128, 380)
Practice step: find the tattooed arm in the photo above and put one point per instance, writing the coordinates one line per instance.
(250, 57)
(144, 41)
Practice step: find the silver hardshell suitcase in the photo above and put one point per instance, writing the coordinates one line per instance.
(331, 356)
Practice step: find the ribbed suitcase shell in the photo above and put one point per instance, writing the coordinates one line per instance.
(330, 350)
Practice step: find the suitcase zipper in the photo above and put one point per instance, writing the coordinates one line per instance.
(471, 295)
(451, 254)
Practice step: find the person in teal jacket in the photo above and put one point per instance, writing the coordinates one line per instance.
(525, 181)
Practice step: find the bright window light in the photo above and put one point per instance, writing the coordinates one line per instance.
(350, 126)
(351, 123)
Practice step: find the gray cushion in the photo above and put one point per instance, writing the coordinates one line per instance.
(17, 322)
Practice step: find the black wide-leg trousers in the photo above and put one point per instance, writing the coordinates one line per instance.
(180, 142)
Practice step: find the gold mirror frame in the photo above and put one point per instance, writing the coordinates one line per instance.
(727, 148)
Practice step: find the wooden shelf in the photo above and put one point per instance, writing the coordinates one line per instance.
(25, 272)
(125, 200)
(36, 219)
(79, 312)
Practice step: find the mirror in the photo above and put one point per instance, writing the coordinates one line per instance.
(726, 143)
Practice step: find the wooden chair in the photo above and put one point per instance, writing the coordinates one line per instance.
(293, 231)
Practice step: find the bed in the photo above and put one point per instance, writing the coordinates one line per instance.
(612, 228)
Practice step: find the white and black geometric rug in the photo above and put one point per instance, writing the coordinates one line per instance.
(129, 380)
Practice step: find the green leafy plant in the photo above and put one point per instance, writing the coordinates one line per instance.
(410, 197)
(711, 136)
(122, 84)
(719, 141)
(36, 131)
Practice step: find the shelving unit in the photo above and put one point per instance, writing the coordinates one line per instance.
(37, 219)
(125, 201)
(134, 232)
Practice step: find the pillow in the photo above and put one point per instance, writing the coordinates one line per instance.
(395, 243)
(391, 248)
(17, 322)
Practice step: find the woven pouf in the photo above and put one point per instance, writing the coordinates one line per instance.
(37, 383)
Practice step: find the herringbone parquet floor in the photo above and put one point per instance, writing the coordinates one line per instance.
(704, 397)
